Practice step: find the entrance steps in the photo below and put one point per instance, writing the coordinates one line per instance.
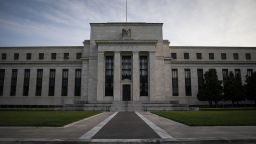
(128, 106)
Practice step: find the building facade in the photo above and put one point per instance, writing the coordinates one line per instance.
(120, 62)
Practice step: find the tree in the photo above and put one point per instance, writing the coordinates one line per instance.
(233, 88)
(211, 89)
(250, 87)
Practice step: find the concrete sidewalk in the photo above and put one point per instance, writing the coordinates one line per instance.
(129, 128)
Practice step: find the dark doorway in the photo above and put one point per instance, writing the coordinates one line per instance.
(126, 92)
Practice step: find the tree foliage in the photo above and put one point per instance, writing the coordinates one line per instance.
(250, 87)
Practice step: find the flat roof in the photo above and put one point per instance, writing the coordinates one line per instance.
(126, 23)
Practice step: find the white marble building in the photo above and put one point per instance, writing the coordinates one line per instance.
(120, 62)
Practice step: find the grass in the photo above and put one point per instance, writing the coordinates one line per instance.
(213, 118)
(41, 118)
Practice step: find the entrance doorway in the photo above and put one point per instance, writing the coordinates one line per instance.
(126, 92)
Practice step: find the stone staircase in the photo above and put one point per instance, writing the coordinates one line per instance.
(128, 106)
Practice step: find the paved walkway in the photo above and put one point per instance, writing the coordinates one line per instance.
(129, 127)
(126, 125)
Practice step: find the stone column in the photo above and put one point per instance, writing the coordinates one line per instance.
(100, 78)
(135, 76)
(117, 74)
(84, 80)
(152, 76)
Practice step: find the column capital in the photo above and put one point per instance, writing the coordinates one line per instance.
(135, 52)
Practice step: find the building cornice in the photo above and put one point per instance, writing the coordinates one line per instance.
(212, 62)
(210, 47)
(42, 47)
(39, 62)
(126, 42)
(126, 24)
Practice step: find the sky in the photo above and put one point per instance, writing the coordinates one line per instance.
(186, 22)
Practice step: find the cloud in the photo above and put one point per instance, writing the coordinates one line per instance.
(186, 22)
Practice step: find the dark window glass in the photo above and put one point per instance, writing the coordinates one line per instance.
(188, 82)
(224, 73)
(200, 77)
(223, 56)
(126, 67)
(26, 82)
(248, 56)
(143, 76)
(78, 55)
(16, 56)
(211, 56)
(4, 56)
(175, 86)
(13, 82)
(52, 82)
(64, 88)
(2, 75)
(199, 55)
(53, 56)
(186, 55)
(78, 82)
(235, 56)
(39, 81)
(109, 75)
(249, 72)
(174, 55)
(41, 56)
(28, 56)
(66, 56)
(237, 72)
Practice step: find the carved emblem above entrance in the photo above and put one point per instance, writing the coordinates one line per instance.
(126, 34)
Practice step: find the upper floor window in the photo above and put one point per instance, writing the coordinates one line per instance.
(186, 55)
(78, 55)
(16, 56)
(198, 55)
(41, 56)
(3, 56)
(211, 56)
(174, 55)
(53, 56)
(66, 55)
(235, 56)
(223, 56)
(248, 56)
(28, 56)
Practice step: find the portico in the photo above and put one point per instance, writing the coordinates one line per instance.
(132, 73)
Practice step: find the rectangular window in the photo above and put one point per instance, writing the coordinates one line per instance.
(109, 75)
(26, 82)
(4, 56)
(198, 55)
(16, 56)
(200, 78)
(174, 55)
(53, 56)
(41, 56)
(249, 72)
(64, 88)
(224, 73)
(13, 82)
(235, 56)
(211, 56)
(175, 86)
(126, 67)
(28, 56)
(78, 55)
(188, 82)
(237, 72)
(143, 76)
(248, 56)
(2, 75)
(66, 56)
(78, 82)
(39, 81)
(52, 82)
(186, 55)
(223, 56)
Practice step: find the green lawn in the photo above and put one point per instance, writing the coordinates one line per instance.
(41, 118)
(213, 118)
